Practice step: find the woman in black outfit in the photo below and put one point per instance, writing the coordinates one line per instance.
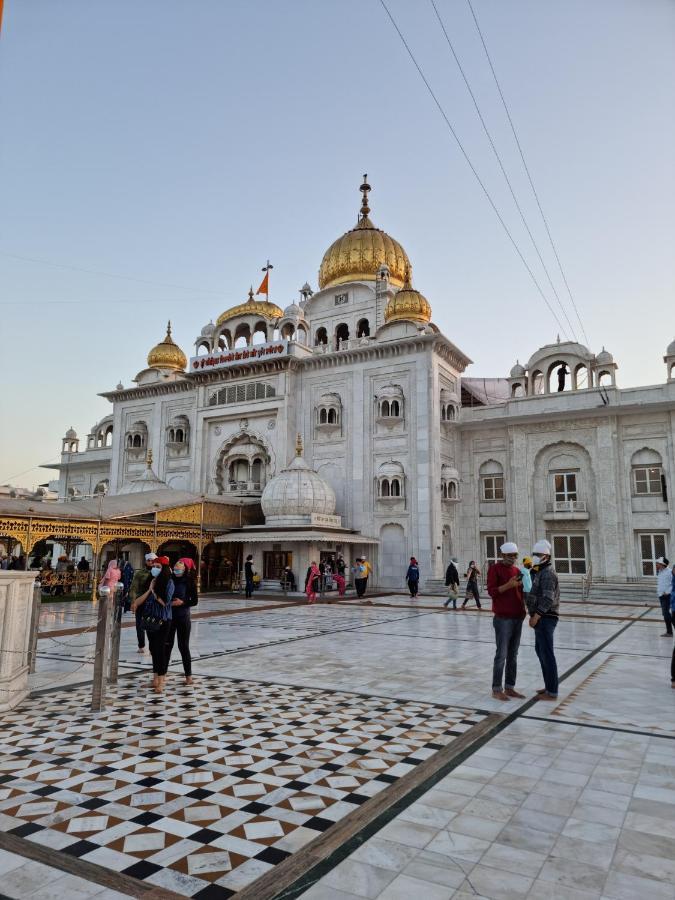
(184, 598)
(471, 576)
(161, 589)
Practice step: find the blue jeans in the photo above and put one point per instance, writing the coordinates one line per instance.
(543, 645)
(507, 636)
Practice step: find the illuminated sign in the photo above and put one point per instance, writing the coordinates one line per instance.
(226, 358)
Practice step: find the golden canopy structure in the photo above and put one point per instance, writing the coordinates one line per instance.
(408, 304)
(167, 354)
(359, 253)
(252, 307)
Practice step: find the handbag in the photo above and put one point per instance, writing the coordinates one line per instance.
(154, 615)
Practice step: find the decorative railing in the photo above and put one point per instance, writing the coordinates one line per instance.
(351, 344)
(244, 487)
(566, 506)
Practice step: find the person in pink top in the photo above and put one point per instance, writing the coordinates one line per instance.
(111, 576)
(312, 582)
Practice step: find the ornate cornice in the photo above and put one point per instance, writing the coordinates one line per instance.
(149, 390)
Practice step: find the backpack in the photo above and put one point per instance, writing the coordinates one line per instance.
(154, 615)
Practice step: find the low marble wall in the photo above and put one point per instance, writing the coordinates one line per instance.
(16, 601)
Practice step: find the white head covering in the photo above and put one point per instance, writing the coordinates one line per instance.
(542, 548)
(508, 547)
(149, 557)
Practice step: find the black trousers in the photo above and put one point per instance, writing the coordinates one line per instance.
(360, 584)
(181, 627)
(157, 643)
(672, 667)
(664, 600)
(249, 587)
(413, 587)
(472, 589)
(140, 631)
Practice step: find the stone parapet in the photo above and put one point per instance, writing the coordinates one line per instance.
(16, 600)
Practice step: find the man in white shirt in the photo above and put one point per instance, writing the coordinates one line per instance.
(664, 582)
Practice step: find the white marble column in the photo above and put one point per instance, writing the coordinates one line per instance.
(16, 600)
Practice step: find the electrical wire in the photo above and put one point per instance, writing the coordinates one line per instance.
(472, 167)
(503, 169)
(527, 171)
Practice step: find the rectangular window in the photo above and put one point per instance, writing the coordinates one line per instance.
(565, 486)
(493, 487)
(492, 544)
(341, 299)
(651, 547)
(647, 480)
(569, 554)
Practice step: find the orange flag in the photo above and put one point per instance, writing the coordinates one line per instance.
(264, 285)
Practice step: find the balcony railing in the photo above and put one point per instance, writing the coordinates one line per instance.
(244, 487)
(351, 344)
(566, 506)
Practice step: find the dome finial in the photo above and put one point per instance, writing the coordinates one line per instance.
(251, 298)
(168, 328)
(298, 445)
(365, 189)
(407, 283)
(148, 459)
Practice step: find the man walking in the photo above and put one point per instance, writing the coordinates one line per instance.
(452, 583)
(248, 575)
(664, 581)
(140, 582)
(505, 588)
(543, 604)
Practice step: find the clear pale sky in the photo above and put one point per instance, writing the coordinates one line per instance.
(181, 144)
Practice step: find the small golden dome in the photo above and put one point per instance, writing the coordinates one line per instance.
(252, 307)
(167, 354)
(359, 253)
(408, 304)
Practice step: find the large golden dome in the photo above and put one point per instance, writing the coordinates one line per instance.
(167, 354)
(358, 254)
(252, 307)
(408, 304)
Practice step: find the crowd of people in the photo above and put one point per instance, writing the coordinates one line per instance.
(161, 597)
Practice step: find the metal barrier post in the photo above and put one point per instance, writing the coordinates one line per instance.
(102, 647)
(118, 610)
(34, 625)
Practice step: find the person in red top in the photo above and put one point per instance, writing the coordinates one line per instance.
(505, 587)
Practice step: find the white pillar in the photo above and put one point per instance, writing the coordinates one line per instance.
(16, 600)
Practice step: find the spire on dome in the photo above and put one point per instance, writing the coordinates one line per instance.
(298, 445)
(365, 190)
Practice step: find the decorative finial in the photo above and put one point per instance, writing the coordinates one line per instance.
(251, 298)
(558, 338)
(407, 278)
(365, 189)
(168, 328)
(148, 459)
(298, 445)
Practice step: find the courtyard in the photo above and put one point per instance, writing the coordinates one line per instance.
(341, 751)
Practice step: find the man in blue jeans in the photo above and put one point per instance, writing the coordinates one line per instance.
(543, 604)
(504, 584)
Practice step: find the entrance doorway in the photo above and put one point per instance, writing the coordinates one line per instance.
(274, 562)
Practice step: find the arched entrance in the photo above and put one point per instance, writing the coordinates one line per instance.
(220, 566)
(177, 549)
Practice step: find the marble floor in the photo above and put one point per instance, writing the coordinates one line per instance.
(373, 723)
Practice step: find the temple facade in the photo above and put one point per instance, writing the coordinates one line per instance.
(419, 458)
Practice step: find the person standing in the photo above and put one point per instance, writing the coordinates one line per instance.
(543, 604)
(184, 598)
(248, 575)
(471, 576)
(360, 576)
(340, 569)
(139, 585)
(156, 603)
(312, 582)
(452, 583)
(111, 577)
(672, 616)
(664, 580)
(412, 577)
(83, 565)
(505, 588)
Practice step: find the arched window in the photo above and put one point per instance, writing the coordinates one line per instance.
(328, 411)
(384, 487)
(242, 466)
(138, 440)
(442, 414)
(452, 491)
(390, 404)
(301, 335)
(341, 334)
(288, 331)
(395, 487)
(647, 473)
(604, 378)
(321, 337)
(108, 436)
(259, 333)
(517, 390)
(384, 408)
(172, 435)
(492, 481)
(537, 382)
(203, 349)
(180, 436)
(449, 482)
(242, 336)
(323, 416)
(130, 440)
(363, 328)
(394, 409)
(390, 481)
(137, 436)
(332, 417)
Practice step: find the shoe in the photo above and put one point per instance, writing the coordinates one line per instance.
(547, 696)
(141, 649)
(500, 695)
(511, 692)
(667, 634)
(541, 690)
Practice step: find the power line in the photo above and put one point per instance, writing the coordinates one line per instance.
(527, 171)
(47, 262)
(32, 469)
(91, 303)
(471, 166)
(501, 166)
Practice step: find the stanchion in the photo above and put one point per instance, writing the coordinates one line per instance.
(34, 626)
(102, 647)
(118, 610)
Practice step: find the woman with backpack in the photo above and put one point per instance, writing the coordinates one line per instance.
(156, 618)
(184, 598)
(471, 576)
(413, 577)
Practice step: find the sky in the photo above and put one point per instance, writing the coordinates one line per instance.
(154, 154)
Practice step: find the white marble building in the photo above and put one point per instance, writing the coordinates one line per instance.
(420, 459)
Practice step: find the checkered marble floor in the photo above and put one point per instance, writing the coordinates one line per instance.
(206, 788)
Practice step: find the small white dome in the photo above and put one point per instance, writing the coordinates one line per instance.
(208, 330)
(71, 434)
(295, 493)
(670, 350)
(517, 371)
(604, 357)
(390, 469)
(293, 311)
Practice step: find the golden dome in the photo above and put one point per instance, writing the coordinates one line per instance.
(167, 354)
(408, 304)
(359, 253)
(252, 307)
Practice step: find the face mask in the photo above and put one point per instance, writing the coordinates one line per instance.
(536, 560)
(178, 572)
(155, 571)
